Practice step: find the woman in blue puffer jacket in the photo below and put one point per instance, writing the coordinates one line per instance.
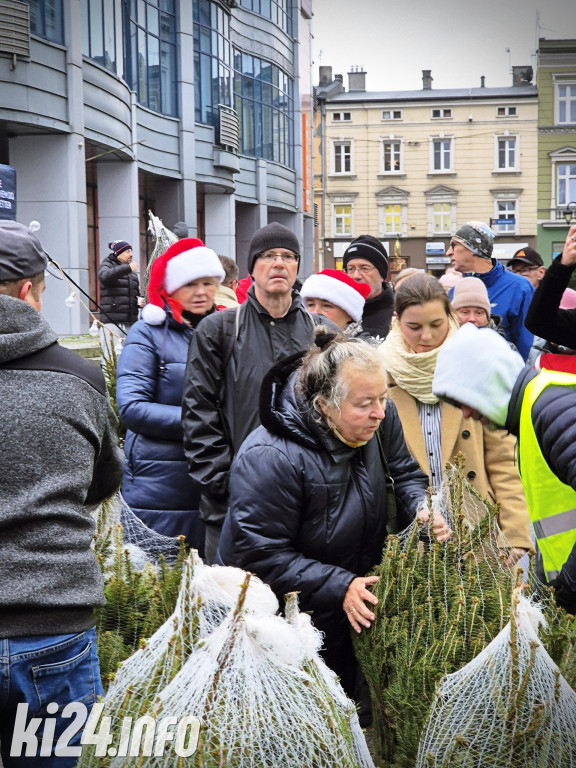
(150, 378)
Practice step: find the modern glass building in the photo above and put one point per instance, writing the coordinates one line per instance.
(196, 110)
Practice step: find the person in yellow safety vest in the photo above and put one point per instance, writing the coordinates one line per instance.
(477, 371)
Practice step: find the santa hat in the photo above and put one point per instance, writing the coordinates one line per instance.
(336, 287)
(186, 260)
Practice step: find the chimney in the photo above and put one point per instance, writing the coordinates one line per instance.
(522, 76)
(427, 79)
(482, 80)
(357, 79)
(339, 78)
(325, 75)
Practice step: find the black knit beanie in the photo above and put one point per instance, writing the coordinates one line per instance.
(119, 246)
(273, 235)
(369, 248)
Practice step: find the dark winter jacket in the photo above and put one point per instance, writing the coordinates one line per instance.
(58, 453)
(544, 317)
(150, 379)
(307, 512)
(378, 312)
(220, 405)
(554, 419)
(119, 291)
(509, 297)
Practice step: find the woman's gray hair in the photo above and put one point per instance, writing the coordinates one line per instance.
(319, 377)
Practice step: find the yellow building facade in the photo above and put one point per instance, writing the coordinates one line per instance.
(409, 167)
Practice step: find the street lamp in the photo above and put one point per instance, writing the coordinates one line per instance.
(569, 212)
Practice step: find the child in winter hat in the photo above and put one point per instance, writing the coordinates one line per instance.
(477, 237)
(339, 289)
(184, 261)
(477, 368)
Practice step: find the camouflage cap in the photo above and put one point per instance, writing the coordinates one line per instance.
(477, 237)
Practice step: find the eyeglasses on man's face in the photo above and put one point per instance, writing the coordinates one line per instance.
(269, 257)
(365, 269)
(523, 270)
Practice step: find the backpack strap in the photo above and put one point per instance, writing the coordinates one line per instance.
(230, 333)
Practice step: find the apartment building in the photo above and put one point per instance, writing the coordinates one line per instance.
(410, 166)
(556, 80)
(197, 110)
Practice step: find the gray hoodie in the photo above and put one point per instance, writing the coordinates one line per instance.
(58, 453)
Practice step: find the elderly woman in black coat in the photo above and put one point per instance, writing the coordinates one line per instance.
(309, 507)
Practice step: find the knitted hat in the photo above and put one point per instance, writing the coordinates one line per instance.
(119, 246)
(471, 292)
(180, 229)
(21, 254)
(477, 368)
(273, 235)
(477, 237)
(527, 256)
(369, 248)
(341, 290)
(186, 260)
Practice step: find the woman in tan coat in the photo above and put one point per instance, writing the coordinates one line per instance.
(435, 432)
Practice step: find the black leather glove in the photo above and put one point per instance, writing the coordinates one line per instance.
(565, 596)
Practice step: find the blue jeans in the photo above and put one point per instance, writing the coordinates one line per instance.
(41, 671)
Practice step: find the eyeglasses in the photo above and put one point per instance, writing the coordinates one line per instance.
(287, 258)
(364, 269)
(523, 270)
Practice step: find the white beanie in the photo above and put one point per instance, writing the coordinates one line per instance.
(477, 368)
(338, 288)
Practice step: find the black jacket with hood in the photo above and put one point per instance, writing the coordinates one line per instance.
(307, 512)
(119, 291)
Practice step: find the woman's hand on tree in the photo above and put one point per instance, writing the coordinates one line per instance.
(354, 605)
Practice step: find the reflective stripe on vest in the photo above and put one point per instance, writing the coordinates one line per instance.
(551, 503)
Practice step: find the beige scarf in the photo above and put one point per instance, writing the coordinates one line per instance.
(412, 371)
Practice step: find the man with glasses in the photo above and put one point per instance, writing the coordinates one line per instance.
(229, 355)
(470, 252)
(366, 261)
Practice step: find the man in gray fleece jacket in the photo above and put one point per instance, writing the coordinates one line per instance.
(58, 454)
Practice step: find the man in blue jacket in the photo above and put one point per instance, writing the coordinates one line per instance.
(510, 295)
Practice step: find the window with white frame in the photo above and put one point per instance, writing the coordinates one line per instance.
(392, 219)
(441, 160)
(392, 156)
(506, 153)
(507, 112)
(440, 113)
(342, 157)
(341, 117)
(505, 212)
(566, 182)
(391, 114)
(565, 103)
(342, 218)
(441, 210)
(441, 218)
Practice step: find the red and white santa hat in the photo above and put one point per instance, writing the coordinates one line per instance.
(185, 260)
(338, 288)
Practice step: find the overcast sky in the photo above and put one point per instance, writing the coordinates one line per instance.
(459, 40)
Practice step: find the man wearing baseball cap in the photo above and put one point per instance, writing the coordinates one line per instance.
(470, 252)
(58, 454)
(366, 261)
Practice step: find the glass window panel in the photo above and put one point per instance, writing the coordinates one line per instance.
(153, 21)
(204, 13)
(167, 5)
(142, 68)
(141, 12)
(109, 38)
(85, 29)
(154, 100)
(96, 33)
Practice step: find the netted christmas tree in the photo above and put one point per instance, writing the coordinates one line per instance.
(439, 606)
(254, 680)
(163, 239)
(510, 707)
(142, 573)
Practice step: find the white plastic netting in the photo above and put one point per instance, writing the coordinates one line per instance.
(163, 238)
(263, 696)
(508, 708)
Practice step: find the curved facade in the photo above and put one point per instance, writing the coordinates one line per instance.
(198, 111)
